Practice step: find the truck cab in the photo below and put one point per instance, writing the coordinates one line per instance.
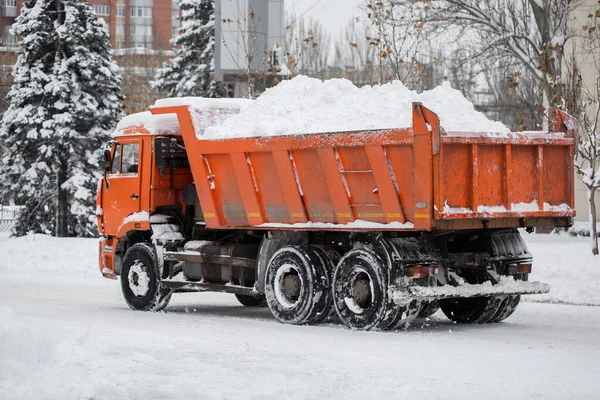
(146, 173)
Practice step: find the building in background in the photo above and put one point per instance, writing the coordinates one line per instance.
(140, 33)
(249, 35)
(588, 73)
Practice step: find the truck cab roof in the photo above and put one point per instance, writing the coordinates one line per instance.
(146, 123)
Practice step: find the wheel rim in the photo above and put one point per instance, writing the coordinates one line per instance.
(288, 286)
(361, 292)
(138, 279)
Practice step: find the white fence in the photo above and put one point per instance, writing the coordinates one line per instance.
(8, 216)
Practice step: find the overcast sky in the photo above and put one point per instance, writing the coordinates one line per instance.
(333, 14)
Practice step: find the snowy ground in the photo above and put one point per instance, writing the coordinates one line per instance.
(65, 333)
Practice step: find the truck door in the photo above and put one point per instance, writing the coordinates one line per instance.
(121, 195)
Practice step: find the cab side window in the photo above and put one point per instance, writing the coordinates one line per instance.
(130, 158)
(116, 161)
(125, 159)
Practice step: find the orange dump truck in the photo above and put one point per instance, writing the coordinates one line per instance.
(375, 228)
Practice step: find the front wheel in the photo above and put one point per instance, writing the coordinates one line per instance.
(140, 281)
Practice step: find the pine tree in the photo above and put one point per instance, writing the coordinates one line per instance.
(64, 102)
(191, 71)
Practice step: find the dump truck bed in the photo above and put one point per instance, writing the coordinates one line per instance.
(418, 178)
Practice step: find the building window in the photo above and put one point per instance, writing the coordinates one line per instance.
(175, 31)
(141, 12)
(175, 14)
(141, 45)
(120, 31)
(9, 40)
(10, 3)
(141, 30)
(102, 9)
(120, 11)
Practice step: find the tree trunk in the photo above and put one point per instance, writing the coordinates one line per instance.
(62, 206)
(593, 230)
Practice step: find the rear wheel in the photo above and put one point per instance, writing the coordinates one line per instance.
(251, 301)
(360, 292)
(297, 285)
(140, 281)
(507, 308)
(428, 308)
(505, 245)
(472, 310)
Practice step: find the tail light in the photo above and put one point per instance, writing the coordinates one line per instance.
(522, 268)
(421, 271)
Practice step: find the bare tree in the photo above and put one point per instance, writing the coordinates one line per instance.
(354, 58)
(531, 32)
(307, 46)
(396, 39)
(138, 66)
(256, 61)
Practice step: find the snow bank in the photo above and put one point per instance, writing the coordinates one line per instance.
(24, 348)
(567, 265)
(308, 105)
(43, 257)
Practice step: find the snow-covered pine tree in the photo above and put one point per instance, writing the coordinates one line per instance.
(64, 102)
(191, 71)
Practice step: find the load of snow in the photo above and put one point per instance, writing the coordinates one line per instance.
(308, 105)
(203, 103)
(160, 124)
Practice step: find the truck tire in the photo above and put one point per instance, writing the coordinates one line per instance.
(251, 301)
(406, 315)
(360, 291)
(428, 308)
(297, 285)
(471, 310)
(140, 281)
(508, 307)
(331, 257)
(508, 244)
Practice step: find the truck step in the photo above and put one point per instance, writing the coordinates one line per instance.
(201, 286)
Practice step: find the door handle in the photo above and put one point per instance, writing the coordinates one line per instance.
(134, 196)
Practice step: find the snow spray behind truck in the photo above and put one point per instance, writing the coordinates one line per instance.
(374, 227)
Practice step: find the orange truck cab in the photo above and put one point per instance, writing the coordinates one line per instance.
(375, 228)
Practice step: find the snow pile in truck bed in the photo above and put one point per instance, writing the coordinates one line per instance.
(308, 105)
(161, 124)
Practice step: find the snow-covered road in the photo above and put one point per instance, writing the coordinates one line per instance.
(66, 333)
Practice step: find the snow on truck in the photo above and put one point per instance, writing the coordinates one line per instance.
(376, 226)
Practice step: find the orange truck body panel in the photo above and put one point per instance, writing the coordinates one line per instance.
(412, 179)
